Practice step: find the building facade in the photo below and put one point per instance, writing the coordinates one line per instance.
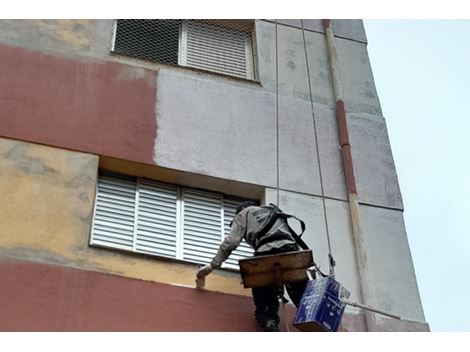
(126, 146)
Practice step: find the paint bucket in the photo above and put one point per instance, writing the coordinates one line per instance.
(320, 308)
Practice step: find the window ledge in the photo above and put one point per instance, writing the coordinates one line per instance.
(157, 66)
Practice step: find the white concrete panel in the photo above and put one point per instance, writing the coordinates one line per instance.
(315, 25)
(297, 151)
(215, 128)
(266, 54)
(289, 22)
(292, 68)
(359, 92)
(270, 196)
(334, 183)
(342, 248)
(349, 29)
(319, 67)
(390, 263)
(352, 29)
(374, 168)
(299, 168)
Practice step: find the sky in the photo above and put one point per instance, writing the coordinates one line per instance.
(421, 70)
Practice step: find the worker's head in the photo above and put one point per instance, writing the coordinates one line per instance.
(244, 205)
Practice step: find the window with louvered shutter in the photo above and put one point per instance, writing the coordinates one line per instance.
(214, 47)
(222, 46)
(165, 220)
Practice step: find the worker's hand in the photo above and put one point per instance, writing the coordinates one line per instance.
(203, 271)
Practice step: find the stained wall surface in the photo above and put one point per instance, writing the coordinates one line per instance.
(46, 214)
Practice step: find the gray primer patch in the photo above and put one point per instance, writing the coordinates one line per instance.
(45, 257)
(27, 164)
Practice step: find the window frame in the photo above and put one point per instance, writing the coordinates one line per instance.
(179, 221)
(251, 56)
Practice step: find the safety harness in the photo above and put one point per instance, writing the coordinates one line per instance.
(275, 214)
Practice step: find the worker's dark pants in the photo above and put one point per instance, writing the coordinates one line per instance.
(265, 298)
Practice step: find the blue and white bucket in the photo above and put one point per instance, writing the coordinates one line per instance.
(320, 308)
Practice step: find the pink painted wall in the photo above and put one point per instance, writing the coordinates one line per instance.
(41, 297)
(88, 105)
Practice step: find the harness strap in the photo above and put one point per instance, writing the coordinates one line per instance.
(275, 237)
(297, 238)
(275, 214)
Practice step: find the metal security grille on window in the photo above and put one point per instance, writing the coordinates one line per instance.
(222, 46)
(160, 219)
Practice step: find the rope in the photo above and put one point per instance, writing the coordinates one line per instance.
(331, 261)
(330, 256)
(277, 120)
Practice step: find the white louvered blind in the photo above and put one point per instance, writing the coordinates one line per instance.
(217, 48)
(113, 224)
(201, 225)
(156, 218)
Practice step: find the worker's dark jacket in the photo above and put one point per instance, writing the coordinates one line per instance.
(246, 224)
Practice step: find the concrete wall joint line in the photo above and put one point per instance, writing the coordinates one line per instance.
(378, 206)
(381, 206)
(316, 31)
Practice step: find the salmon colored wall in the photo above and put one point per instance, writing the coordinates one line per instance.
(39, 297)
(88, 105)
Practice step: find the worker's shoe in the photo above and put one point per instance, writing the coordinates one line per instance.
(270, 326)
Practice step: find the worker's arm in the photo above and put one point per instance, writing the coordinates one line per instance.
(230, 243)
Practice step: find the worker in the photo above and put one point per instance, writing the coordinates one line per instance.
(267, 234)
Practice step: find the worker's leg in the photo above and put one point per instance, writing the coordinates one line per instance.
(267, 305)
(296, 290)
(265, 298)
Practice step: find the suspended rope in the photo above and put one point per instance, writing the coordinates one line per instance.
(331, 261)
(277, 118)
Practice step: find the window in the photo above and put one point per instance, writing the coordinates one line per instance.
(155, 218)
(222, 46)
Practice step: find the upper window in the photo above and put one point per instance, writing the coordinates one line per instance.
(155, 218)
(222, 46)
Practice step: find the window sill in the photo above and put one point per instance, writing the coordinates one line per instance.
(140, 255)
(129, 60)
